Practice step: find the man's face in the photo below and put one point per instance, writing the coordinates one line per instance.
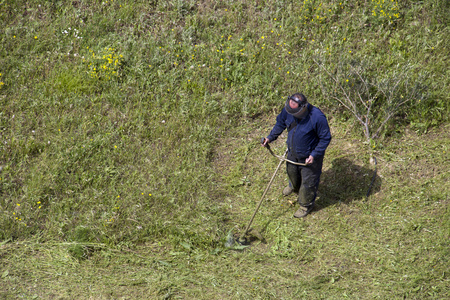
(293, 104)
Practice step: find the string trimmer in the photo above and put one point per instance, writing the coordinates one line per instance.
(242, 240)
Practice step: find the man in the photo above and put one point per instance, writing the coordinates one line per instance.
(308, 138)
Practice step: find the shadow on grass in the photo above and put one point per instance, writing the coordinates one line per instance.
(346, 182)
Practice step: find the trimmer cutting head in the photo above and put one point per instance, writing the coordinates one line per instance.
(242, 241)
(239, 242)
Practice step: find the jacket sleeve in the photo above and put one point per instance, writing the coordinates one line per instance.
(279, 127)
(323, 133)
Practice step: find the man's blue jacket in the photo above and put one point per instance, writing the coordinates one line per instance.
(307, 136)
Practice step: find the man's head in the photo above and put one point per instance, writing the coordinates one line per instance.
(297, 105)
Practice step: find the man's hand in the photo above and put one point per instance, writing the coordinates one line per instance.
(264, 142)
(309, 160)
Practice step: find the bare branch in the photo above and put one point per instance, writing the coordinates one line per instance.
(366, 90)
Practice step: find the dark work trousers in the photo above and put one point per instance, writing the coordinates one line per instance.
(304, 179)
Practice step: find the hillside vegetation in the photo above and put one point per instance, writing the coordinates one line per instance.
(129, 149)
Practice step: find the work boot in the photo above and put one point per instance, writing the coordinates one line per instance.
(287, 190)
(303, 211)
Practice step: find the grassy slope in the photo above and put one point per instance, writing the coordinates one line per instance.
(123, 181)
(394, 245)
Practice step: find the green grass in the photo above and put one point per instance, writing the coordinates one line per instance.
(129, 151)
